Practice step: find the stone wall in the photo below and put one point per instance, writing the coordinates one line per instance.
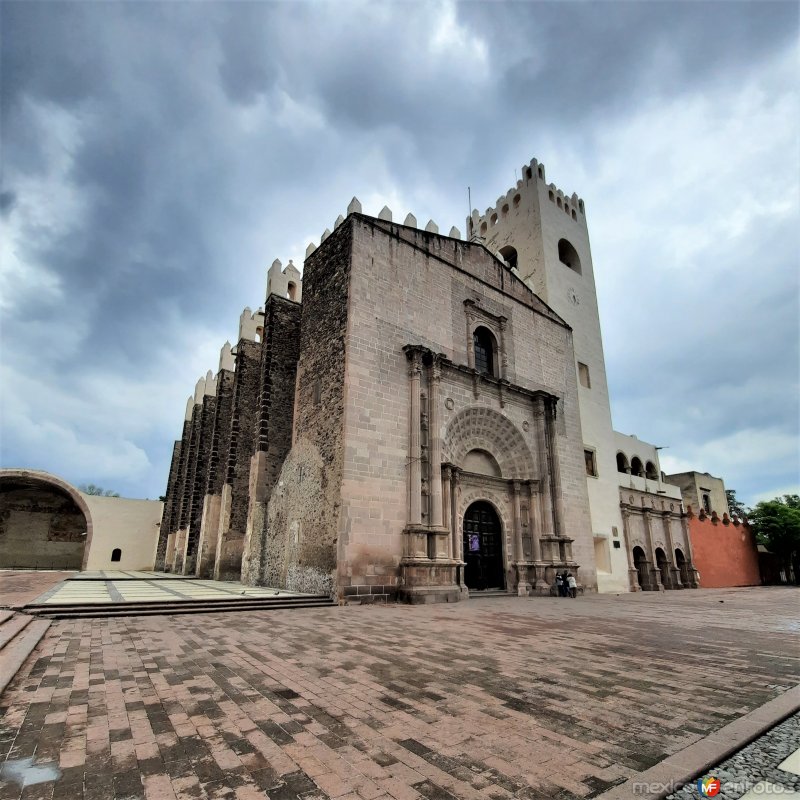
(175, 499)
(274, 420)
(207, 413)
(169, 508)
(220, 438)
(303, 516)
(241, 446)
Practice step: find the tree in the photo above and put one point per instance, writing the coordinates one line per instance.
(735, 508)
(99, 491)
(776, 524)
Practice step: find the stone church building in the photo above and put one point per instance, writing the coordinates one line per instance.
(418, 417)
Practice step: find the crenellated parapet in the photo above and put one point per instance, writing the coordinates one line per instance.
(386, 215)
(533, 179)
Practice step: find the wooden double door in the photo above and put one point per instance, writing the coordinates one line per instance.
(483, 548)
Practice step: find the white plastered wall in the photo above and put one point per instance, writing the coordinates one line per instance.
(130, 525)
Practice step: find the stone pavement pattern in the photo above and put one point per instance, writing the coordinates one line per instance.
(18, 587)
(492, 698)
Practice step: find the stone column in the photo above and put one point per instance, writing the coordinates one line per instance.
(503, 371)
(535, 522)
(694, 583)
(674, 572)
(523, 586)
(633, 573)
(435, 439)
(458, 543)
(415, 449)
(447, 507)
(655, 572)
(545, 500)
(555, 470)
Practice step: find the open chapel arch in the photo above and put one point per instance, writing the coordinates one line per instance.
(44, 523)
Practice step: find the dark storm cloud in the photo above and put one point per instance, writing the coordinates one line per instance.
(156, 157)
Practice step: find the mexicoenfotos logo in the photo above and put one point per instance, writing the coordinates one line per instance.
(709, 787)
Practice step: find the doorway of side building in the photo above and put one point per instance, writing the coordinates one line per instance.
(640, 562)
(683, 567)
(483, 548)
(663, 567)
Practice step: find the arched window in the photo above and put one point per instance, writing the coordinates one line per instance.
(622, 463)
(636, 467)
(292, 291)
(485, 351)
(650, 471)
(568, 255)
(483, 228)
(116, 554)
(493, 220)
(551, 196)
(509, 255)
(528, 173)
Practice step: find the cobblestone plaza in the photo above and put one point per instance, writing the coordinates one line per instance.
(493, 698)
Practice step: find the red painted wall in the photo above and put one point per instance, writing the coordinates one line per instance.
(724, 552)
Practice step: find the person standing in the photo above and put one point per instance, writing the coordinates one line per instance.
(572, 585)
(560, 584)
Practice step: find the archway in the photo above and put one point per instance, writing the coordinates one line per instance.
(483, 548)
(640, 562)
(663, 567)
(683, 566)
(45, 522)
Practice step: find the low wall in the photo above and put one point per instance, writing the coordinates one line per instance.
(724, 551)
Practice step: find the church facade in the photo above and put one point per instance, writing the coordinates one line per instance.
(418, 417)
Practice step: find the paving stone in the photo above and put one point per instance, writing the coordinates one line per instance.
(525, 698)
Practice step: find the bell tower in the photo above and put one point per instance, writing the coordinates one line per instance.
(542, 234)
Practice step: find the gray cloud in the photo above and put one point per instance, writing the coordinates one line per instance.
(157, 157)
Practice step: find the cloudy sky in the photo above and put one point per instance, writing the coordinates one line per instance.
(157, 157)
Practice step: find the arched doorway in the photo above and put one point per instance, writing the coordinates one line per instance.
(640, 562)
(663, 567)
(45, 522)
(683, 567)
(483, 548)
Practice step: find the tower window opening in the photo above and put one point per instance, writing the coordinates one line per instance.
(485, 347)
(116, 554)
(591, 463)
(483, 227)
(517, 198)
(650, 471)
(574, 215)
(552, 197)
(504, 210)
(583, 375)
(528, 173)
(568, 255)
(494, 219)
(636, 467)
(706, 503)
(622, 463)
(509, 255)
(541, 172)
(559, 203)
(292, 292)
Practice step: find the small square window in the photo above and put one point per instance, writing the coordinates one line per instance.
(617, 545)
(591, 464)
(583, 375)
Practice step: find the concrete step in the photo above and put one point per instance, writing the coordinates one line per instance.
(15, 653)
(5, 613)
(135, 609)
(10, 627)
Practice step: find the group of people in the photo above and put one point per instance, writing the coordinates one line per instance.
(566, 584)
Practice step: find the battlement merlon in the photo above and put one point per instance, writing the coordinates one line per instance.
(251, 325)
(533, 178)
(285, 282)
